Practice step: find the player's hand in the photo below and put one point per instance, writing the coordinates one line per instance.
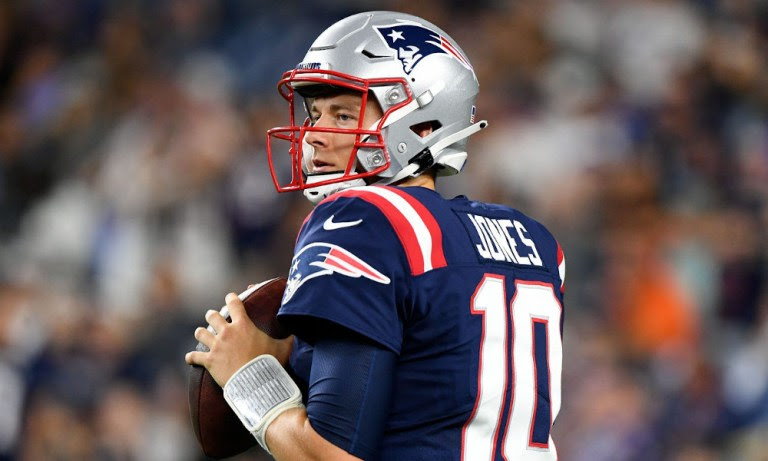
(232, 345)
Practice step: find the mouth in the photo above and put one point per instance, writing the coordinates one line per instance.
(319, 166)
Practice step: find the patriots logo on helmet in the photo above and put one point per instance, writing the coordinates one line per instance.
(413, 42)
(317, 259)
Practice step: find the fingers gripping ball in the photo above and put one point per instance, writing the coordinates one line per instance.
(218, 430)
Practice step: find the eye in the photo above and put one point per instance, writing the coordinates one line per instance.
(345, 118)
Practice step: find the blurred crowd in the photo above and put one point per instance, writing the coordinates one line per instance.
(134, 193)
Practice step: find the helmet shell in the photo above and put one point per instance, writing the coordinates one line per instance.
(384, 44)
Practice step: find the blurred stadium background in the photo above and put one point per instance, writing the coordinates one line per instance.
(134, 193)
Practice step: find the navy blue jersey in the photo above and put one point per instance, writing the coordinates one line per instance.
(468, 295)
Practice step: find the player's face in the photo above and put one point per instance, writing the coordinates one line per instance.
(342, 111)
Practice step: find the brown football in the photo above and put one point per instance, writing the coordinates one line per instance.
(218, 430)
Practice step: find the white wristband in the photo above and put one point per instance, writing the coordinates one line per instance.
(259, 392)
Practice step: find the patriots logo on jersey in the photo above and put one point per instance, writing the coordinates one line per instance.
(413, 42)
(317, 259)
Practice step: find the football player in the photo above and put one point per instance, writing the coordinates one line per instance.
(425, 328)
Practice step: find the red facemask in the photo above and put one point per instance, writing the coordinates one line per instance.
(290, 172)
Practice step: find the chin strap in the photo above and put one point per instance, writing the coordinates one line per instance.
(318, 193)
(426, 158)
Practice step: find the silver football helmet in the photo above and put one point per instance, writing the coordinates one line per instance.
(415, 72)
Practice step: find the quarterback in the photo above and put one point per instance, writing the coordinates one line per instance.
(424, 328)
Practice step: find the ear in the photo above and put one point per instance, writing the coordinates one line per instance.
(422, 129)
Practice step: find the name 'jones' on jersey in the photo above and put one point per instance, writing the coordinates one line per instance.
(504, 240)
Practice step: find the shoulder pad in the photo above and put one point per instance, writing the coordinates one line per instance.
(415, 226)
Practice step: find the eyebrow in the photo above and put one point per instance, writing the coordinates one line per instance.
(337, 107)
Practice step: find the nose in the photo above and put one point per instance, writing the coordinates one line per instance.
(317, 138)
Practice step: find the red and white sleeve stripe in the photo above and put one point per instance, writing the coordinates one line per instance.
(561, 267)
(415, 226)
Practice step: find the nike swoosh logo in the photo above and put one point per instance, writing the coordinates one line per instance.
(329, 224)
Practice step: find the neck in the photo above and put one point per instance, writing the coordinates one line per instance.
(427, 179)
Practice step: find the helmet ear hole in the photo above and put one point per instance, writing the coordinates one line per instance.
(424, 129)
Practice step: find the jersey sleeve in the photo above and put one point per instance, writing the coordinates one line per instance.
(349, 270)
(349, 394)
